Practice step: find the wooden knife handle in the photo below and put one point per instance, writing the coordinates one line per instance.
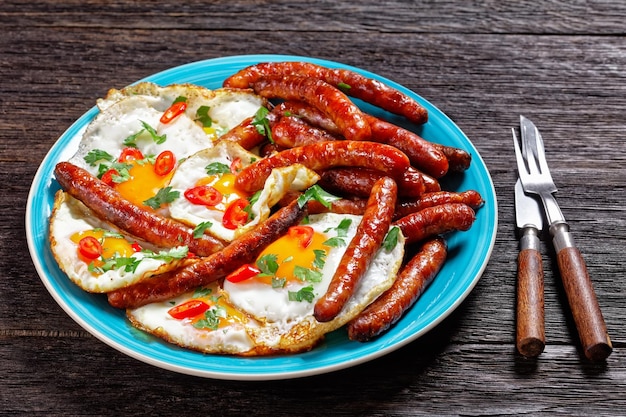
(530, 306)
(584, 304)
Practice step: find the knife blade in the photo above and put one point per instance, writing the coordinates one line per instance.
(530, 340)
(577, 284)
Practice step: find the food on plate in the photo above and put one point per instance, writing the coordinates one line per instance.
(255, 218)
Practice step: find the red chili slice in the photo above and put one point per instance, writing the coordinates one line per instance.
(107, 177)
(130, 154)
(188, 309)
(243, 273)
(164, 163)
(236, 166)
(303, 233)
(136, 247)
(203, 195)
(89, 247)
(173, 112)
(235, 215)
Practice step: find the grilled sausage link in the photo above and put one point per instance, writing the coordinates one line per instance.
(324, 155)
(436, 220)
(321, 95)
(470, 197)
(356, 85)
(242, 250)
(361, 250)
(109, 205)
(413, 279)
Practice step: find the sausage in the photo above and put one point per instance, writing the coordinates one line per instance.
(109, 205)
(361, 250)
(410, 284)
(324, 155)
(242, 250)
(423, 154)
(341, 206)
(308, 114)
(459, 160)
(245, 134)
(291, 131)
(436, 220)
(367, 89)
(321, 95)
(358, 182)
(470, 197)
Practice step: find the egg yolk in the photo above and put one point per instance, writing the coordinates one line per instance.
(290, 253)
(143, 184)
(226, 314)
(224, 183)
(111, 245)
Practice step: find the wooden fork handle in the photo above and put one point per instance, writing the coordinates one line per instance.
(530, 340)
(582, 298)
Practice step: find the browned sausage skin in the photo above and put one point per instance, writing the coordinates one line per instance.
(436, 220)
(356, 85)
(321, 95)
(324, 155)
(109, 205)
(413, 279)
(240, 251)
(361, 250)
(470, 197)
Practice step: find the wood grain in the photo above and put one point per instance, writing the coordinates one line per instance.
(482, 63)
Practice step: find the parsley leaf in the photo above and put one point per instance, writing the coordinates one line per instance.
(211, 319)
(320, 258)
(262, 123)
(391, 240)
(268, 264)
(179, 99)
(306, 274)
(201, 292)
(158, 139)
(278, 282)
(304, 294)
(335, 242)
(217, 168)
(198, 231)
(163, 196)
(344, 87)
(178, 252)
(96, 155)
(317, 193)
(202, 116)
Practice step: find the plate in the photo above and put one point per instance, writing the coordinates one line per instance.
(470, 252)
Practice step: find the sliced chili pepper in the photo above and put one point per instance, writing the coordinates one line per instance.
(235, 215)
(303, 233)
(173, 112)
(236, 166)
(107, 177)
(243, 273)
(203, 195)
(136, 247)
(164, 163)
(89, 247)
(188, 309)
(130, 154)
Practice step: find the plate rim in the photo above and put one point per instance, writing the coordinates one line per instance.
(75, 128)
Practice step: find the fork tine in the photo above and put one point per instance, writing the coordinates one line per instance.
(521, 163)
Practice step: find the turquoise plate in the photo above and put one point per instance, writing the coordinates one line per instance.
(470, 252)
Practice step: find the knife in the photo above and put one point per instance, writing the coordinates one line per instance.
(530, 339)
(581, 297)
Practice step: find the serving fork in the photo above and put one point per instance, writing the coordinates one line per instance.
(535, 177)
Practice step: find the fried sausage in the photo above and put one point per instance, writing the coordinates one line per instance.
(356, 85)
(291, 131)
(321, 95)
(361, 250)
(245, 134)
(324, 155)
(109, 205)
(424, 155)
(309, 114)
(341, 206)
(242, 250)
(459, 160)
(413, 279)
(470, 197)
(436, 220)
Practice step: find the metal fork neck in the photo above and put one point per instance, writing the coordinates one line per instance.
(553, 211)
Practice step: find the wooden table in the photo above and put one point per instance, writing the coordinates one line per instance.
(482, 63)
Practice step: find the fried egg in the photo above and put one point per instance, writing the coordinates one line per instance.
(217, 111)
(208, 198)
(97, 257)
(272, 312)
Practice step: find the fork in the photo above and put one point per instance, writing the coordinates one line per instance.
(535, 177)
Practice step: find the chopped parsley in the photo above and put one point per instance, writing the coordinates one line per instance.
(262, 123)
(163, 196)
(317, 193)
(211, 319)
(215, 168)
(202, 116)
(304, 294)
(268, 265)
(198, 231)
(132, 139)
(391, 240)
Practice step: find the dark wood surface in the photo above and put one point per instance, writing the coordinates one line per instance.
(562, 64)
